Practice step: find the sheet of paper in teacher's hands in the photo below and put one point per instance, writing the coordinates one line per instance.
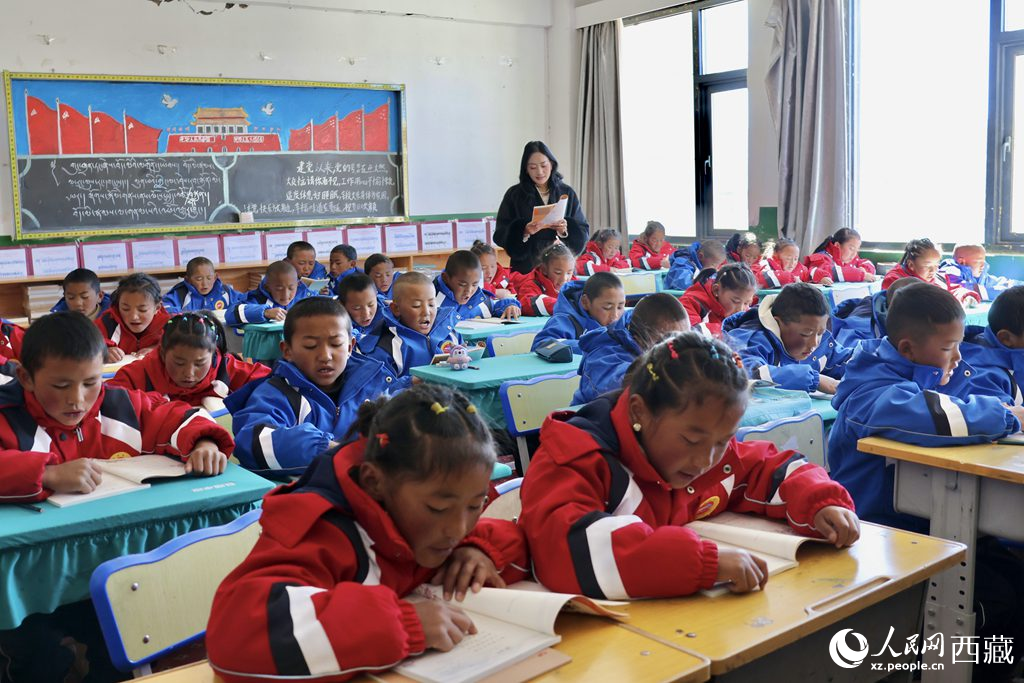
(552, 213)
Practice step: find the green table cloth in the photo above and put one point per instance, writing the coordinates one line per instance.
(473, 331)
(262, 341)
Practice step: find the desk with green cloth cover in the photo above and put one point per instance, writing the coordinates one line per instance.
(474, 331)
(46, 558)
(262, 341)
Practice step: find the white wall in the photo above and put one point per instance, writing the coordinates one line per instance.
(467, 117)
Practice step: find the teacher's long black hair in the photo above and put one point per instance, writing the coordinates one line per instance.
(529, 150)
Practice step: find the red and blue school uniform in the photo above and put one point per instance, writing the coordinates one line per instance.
(536, 292)
(184, 297)
(104, 304)
(998, 369)
(592, 260)
(116, 333)
(986, 285)
(226, 374)
(607, 354)
(321, 595)
(857, 319)
(683, 266)
(482, 304)
(705, 312)
(568, 321)
(611, 528)
(502, 280)
(402, 348)
(829, 263)
(122, 423)
(959, 292)
(770, 273)
(335, 280)
(257, 302)
(642, 256)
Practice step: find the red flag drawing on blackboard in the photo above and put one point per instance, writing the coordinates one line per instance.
(42, 127)
(350, 133)
(377, 129)
(301, 139)
(107, 134)
(325, 135)
(74, 131)
(140, 138)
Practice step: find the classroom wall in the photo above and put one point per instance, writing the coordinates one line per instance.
(477, 73)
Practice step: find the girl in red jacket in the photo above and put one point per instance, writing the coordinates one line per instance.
(497, 278)
(611, 487)
(921, 260)
(192, 363)
(321, 595)
(744, 247)
(538, 289)
(650, 251)
(837, 259)
(602, 254)
(782, 265)
(135, 320)
(714, 296)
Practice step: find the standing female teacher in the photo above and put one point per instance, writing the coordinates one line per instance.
(540, 184)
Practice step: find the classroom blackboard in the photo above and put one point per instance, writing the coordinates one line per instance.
(83, 166)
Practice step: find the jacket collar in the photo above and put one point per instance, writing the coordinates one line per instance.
(154, 366)
(41, 418)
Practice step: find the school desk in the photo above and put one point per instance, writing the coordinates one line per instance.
(767, 404)
(262, 341)
(837, 293)
(46, 557)
(823, 407)
(481, 385)
(977, 315)
(783, 632)
(601, 651)
(473, 331)
(962, 490)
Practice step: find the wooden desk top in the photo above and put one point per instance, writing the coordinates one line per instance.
(600, 651)
(829, 585)
(995, 461)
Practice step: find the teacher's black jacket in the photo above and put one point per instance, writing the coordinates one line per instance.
(517, 210)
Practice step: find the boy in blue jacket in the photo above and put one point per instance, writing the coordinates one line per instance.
(969, 269)
(412, 330)
(277, 293)
(786, 340)
(609, 351)
(362, 302)
(306, 406)
(864, 318)
(583, 305)
(996, 352)
(302, 255)
(82, 293)
(201, 290)
(343, 263)
(686, 262)
(459, 291)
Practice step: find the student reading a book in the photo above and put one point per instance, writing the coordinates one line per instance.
(201, 290)
(82, 293)
(497, 279)
(968, 268)
(609, 351)
(307, 404)
(517, 231)
(716, 295)
(996, 351)
(135, 320)
(651, 251)
(838, 259)
(277, 293)
(921, 260)
(59, 416)
(459, 292)
(743, 247)
(857, 319)
(610, 487)
(685, 263)
(343, 264)
(412, 330)
(582, 306)
(786, 340)
(538, 290)
(602, 254)
(192, 363)
(781, 265)
(321, 593)
(382, 270)
(364, 307)
(302, 255)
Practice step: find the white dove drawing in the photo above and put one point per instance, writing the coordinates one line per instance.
(168, 101)
(268, 109)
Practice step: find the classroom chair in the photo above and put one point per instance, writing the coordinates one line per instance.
(149, 604)
(509, 344)
(527, 402)
(804, 433)
(507, 505)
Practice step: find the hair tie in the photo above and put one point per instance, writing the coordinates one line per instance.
(654, 375)
(672, 351)
(471, 409)
(713, 352)
(382, 439)
(437, 408)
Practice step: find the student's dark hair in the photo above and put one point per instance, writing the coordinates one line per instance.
(196, 263)
(712, 250)
(740, 240)
(480, 248)
(652, 314)
(840, 236)
(374, 260)
(556, 250)
(81, 276)
(299, 245)
(782, 243)
(196, 330)
(605, 234)
(1007, 312)
(729, 276)
(461, 261)
(427, 430)
(684, 369)
(281, 268)
(899, 285)
(917, 248)
(653, 227)
(917, 310)
(357, 282)
(529, 150)
(67, 334)
(598, 282)
(799, 299)
(311, 307)
(136, 282)
(347, 249)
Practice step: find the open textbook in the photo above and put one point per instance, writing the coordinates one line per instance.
(513, 624)
(774, 542)
(112, 368)
(123, 476)
(315, 285)
(551, 213)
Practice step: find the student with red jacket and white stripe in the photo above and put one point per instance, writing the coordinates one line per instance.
(192, 363)
(538, 290)
(602, 254)
(497, 279)
(837, 259)
(714, 296)
(58, 417)
(611, 487)
(921, 260)
(322, 594)
(781, 266)
(135, 320)
(651, 251)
